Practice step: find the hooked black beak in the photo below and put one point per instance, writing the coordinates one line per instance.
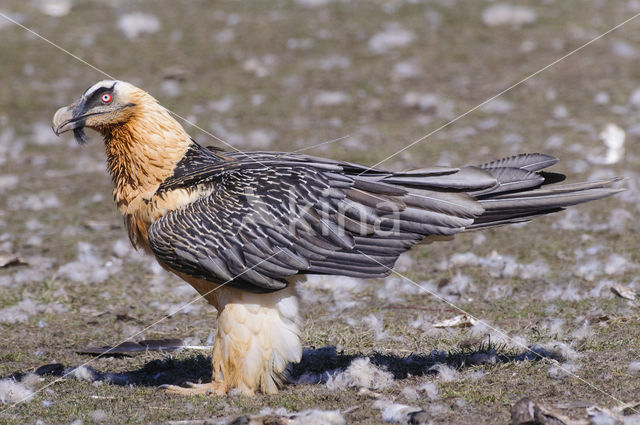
(64, 120)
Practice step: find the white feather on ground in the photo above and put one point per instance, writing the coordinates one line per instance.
(475, 375)
(90, 266)
(305, 417)
(567, 355)
(458, 287)
(360, 374)
(330, 62)
(375, 324)
(602, 289)
(561, 350)
(410, 393)
(319, 417)
(583, 332)
(339, 290)
(133, 25)
(562, 370)
(445, 373)
(428, 390)
(18, 313)
(395, 289)
(44, 200)
(396, 413)
(505, 14)
(393, 37)
(485, 330)
(554, 326)
(12, 391)
(99, 416)
(497, 106)
(498, 265)
(613, 138)
(21, 312)
(405, 70)
(8, 181)
(331, 98)
(55, 8)
(634, 368)
(429, 103)
(84, 373)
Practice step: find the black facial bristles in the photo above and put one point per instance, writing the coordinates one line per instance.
(80, 136)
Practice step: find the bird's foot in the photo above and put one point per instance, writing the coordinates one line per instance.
(211, 388)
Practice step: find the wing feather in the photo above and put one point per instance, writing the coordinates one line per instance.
(297, 214)
(268, 216)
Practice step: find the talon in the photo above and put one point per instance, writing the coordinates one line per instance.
(210, 389)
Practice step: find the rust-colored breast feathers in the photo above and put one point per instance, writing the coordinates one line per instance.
(142, 152)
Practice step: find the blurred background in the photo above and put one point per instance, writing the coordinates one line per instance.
(368, 76)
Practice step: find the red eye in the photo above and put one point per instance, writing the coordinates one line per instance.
(106, 98)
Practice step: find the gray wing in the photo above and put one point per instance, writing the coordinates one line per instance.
(260, 225)
(291, 214)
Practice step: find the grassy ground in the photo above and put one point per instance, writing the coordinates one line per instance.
(284, 76)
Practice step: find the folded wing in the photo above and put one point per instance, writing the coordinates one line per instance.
(270, 216)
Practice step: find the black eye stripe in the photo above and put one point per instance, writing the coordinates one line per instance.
(96, 95)
(93, 100)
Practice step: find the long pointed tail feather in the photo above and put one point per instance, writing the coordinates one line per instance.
(508, 190)
(505, 205)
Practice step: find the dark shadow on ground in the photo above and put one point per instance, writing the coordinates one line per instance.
(316, 366)
(167, 370)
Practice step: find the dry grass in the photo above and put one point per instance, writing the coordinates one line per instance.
(267, 66)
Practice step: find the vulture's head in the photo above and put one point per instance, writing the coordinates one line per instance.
(101, 107)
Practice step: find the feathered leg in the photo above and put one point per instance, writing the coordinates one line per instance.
(258, 335)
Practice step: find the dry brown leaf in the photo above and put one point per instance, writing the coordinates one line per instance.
(530, 412)
(624, 292)
(461, 321)
(368, 393)
(11, 260)
(597, 317)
